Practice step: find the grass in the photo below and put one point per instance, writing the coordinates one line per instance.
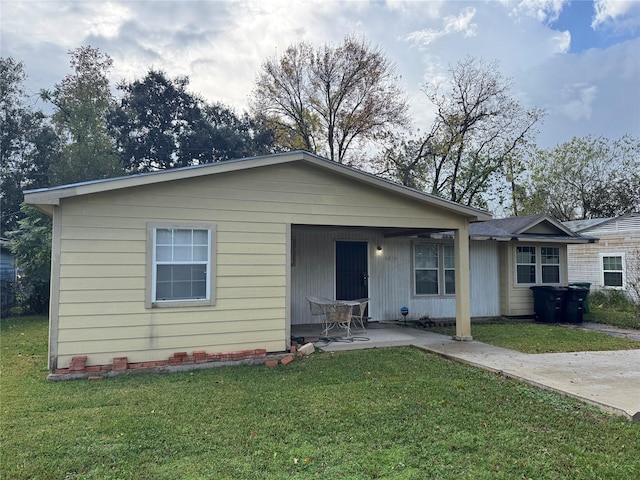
(380, 413)
(542, 338)
(613, 307)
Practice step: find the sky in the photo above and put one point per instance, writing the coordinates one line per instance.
(577, 60)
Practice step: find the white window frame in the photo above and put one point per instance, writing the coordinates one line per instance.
(446, 269)
(538, 265)
(543, 265)
(440, 271)
(534, 264)
(152, 265)
(603, 271)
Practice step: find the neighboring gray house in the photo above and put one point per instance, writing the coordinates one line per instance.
(613, 262)
(7, 262)
(8, 276)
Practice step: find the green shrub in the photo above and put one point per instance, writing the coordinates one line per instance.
(613, 307)
(618, 300)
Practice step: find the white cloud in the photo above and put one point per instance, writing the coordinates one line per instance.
(595, 92)
(580, 100)
(560, 42)
(451, 24)
(64, 23)
(616, 14)
(220, 46)
(546, 11)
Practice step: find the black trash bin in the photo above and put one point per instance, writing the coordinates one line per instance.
(587, 286)
(573, 304)
(547, 303)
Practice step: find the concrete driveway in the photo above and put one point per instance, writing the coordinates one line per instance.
(609, 380)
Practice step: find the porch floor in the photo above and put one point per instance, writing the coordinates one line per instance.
(389, 334)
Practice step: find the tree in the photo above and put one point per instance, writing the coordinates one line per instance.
(28, 144)
(82, 101)
(476, 139)
(158, 124)
(330, 99)
(588, 177)
(31, 244)
(633, 276)
(238, 136)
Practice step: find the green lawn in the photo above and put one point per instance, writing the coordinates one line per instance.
(542, 338)
(380, 413)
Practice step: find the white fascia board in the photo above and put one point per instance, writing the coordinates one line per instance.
(572, 240)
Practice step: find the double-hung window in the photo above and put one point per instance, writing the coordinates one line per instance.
(550, 264)
(537, 265)
(526, 265)
(434, 269)
(613, 270)
(181, 265)
(449, 270)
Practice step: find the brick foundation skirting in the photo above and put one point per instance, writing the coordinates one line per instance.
(176, 362)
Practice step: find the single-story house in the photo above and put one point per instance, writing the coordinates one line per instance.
(613, 262)
(221, 257)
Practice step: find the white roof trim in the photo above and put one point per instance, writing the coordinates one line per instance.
(53, 195)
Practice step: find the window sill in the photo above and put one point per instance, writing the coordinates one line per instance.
(181, 303)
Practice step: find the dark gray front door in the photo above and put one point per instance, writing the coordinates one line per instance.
(352, 270)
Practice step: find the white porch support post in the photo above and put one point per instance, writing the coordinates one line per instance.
(463, 295)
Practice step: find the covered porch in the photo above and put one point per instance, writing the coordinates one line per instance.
(383, 265)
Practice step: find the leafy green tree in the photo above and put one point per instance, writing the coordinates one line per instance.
(476, 139)
(82, 101)
(331, 99)
(159, 124)
(31, 244)
(28, 144)
(587, 177)
(633, 276)
(238, 136)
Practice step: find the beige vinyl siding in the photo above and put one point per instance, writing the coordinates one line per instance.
(517, 300)
(103, 257)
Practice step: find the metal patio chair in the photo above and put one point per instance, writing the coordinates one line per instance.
(358, 314)
(317, 305)
(338, 315)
